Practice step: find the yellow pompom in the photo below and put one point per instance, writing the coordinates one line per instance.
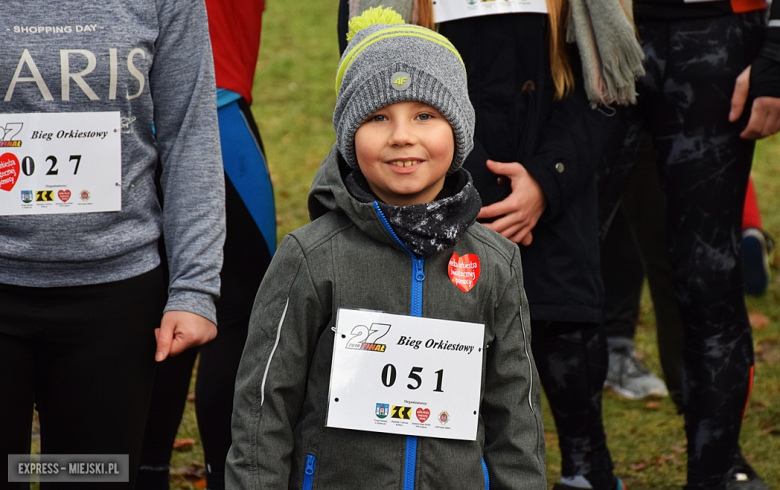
(374, 15)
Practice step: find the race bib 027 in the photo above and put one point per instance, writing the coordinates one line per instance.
(55, 163)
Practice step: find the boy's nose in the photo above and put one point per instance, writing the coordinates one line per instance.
(402, 134)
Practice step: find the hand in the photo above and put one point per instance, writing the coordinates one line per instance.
(764, 116)
(180, 330)
(518, 213)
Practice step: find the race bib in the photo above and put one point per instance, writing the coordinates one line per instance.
(55, 163)
(446, 10)
(405, 375)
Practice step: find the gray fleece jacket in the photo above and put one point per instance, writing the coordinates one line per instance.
(348, 257)
(149, 60)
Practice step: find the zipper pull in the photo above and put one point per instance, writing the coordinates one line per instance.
(311, 462)
(418, 270)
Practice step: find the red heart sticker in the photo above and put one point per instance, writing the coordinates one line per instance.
(64, 195)
(464, 271)
(422, 415)
(9, 171)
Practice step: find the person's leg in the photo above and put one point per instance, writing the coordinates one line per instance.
(623, 275)
(17, 382)
(644, 204)
(572, 363)
(704, 167)
(756, 246)
(97, 368)
(171, 384)
(250, 222)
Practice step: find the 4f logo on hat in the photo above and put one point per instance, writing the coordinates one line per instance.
(401, 80)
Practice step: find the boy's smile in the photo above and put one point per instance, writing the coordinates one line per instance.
(405, 150)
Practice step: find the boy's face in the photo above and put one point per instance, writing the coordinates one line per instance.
(404, 150)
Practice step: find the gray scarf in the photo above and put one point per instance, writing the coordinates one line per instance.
(604, 32)
(610, 52)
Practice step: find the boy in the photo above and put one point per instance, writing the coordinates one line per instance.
(394, 231)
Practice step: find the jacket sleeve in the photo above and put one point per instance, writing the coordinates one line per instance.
(183, 90)
(286, 322)
(571, 145)
(511, 405)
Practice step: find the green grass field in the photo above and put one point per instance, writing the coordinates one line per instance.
(294, 98)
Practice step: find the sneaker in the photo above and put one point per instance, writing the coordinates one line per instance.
(744, 477)
(756, 246)
(628, 376)
(619, 485)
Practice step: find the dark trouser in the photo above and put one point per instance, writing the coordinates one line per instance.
(572, 362)
(84, 355)
(246, 258)
(636, 243)
(703, 166)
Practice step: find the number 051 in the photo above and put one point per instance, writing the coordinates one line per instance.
(389, 375)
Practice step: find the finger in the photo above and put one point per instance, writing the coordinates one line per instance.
(755, 124)
(527, 239)
(740, 95)
(509, 169)
(164, 336)
(180, 344)
(494, 210)
(506, 228)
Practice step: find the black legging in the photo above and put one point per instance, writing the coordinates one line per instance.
(571, 358)
(84, 355)
(703, 166)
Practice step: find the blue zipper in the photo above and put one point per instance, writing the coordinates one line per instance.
(418, 276)
(308, 473)
(487, 476)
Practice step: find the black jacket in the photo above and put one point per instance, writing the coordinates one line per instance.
(559, 143)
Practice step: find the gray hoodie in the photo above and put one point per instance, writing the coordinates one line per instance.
(151, 62)
(347, 257)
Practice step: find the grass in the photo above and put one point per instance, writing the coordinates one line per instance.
(293, 103)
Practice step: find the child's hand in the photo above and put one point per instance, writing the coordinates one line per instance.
(180, 330)
(518, 213)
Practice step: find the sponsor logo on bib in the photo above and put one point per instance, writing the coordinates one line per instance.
(64, 195)
(423, 414)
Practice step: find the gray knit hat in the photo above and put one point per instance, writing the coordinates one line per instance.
(388, 61)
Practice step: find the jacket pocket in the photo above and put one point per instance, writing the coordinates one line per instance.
(308, 472)
(487, 476)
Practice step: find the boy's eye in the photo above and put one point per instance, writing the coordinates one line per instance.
(378, 118)
(424, 117)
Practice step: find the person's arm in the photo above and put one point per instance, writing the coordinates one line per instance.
(760, 82)
(287, 320)
(183, 90)
(511, 405)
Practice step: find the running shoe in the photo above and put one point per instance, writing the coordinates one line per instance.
(743, 476)
(618, 485)
(628, 376)
(756, 247)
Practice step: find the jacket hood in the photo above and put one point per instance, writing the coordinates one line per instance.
(422, 228)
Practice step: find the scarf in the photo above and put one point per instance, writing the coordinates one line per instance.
(429, 227)
(610, 52)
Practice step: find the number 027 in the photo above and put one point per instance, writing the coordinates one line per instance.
(389, 374)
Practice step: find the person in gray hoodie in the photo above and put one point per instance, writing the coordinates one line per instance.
(393, 237)
(97, 98)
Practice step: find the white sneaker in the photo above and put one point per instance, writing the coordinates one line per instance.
(628, 377)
